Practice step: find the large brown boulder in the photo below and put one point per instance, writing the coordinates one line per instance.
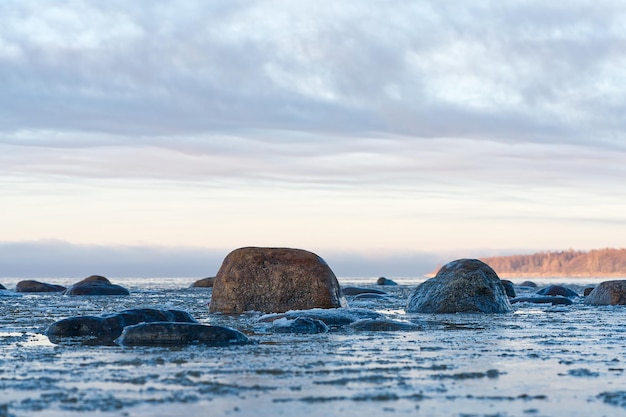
(461, 286)
(274, 280)
(608, 293)
(96, 285)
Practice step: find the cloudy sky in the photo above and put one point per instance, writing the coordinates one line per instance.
(153, 137)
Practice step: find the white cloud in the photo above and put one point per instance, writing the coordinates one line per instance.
(388, 122)
(520, 71)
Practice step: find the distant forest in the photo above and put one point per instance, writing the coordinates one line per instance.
(570, 263)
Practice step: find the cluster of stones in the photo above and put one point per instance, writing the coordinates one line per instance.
(299, 293)
(142, 327)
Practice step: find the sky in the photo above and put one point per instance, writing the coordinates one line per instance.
(151, 138)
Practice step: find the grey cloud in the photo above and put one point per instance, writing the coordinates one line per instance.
(520, 71)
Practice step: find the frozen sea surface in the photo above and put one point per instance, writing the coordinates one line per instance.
(538, 361)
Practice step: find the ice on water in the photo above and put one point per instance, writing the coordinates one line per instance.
(540, 360)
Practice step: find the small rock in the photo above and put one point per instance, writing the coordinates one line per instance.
(335, 317)
(384, 325)
(180, 334)
(96, 285)
(508, 288)
(558, 290)
(371, 296)
(587, 291)
(204, 283)
(528, 284)
(36, 286)
(299, 325)
(385, 281)
(554, 299)
(360, 290)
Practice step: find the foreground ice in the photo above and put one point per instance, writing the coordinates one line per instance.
(538, 361)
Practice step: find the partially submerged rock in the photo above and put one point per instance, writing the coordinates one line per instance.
(36, 286)
(371, 296)
(274, 280)
(180, 334)
(464, 285)
(335, 317)
(587, 291)
(204, 283)
(547, 299)
(299, 325)
(383, 325)
(528, 284)
(96, 285)
(385, 281)
(103, 330)
(509, 288)
(608, 293)
(2, 287)
(558, 290)
(360, 290)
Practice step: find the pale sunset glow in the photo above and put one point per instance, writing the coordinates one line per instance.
(152, 138)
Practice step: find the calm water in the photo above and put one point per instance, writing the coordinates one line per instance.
(538, 361)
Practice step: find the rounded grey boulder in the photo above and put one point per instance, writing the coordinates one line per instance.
(461, 286)
(608, 293)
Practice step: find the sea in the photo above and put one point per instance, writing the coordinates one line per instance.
(540, 360)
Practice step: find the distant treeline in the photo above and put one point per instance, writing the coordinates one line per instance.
(572, 263)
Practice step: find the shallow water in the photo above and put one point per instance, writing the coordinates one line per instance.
(538, 361)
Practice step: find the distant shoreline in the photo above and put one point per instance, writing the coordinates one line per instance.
(553, 275)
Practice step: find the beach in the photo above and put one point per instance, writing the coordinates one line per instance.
(540, 360)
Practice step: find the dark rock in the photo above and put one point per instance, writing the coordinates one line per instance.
(608, 293)
(587, 291)
(360, 290)
(464, 285)
(96, 285)
(103, 330)
(274, 280)
(180, 334)
(204, 283)
(370, 296)
(36, 286)
(2, 287)
(549, 299)
(385, 281)
(384, 325)
(557, 290)
(528, 284)
(299, 325)
(334, 317)
(509, 289)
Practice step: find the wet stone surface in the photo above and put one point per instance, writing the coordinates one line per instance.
(540, 360)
